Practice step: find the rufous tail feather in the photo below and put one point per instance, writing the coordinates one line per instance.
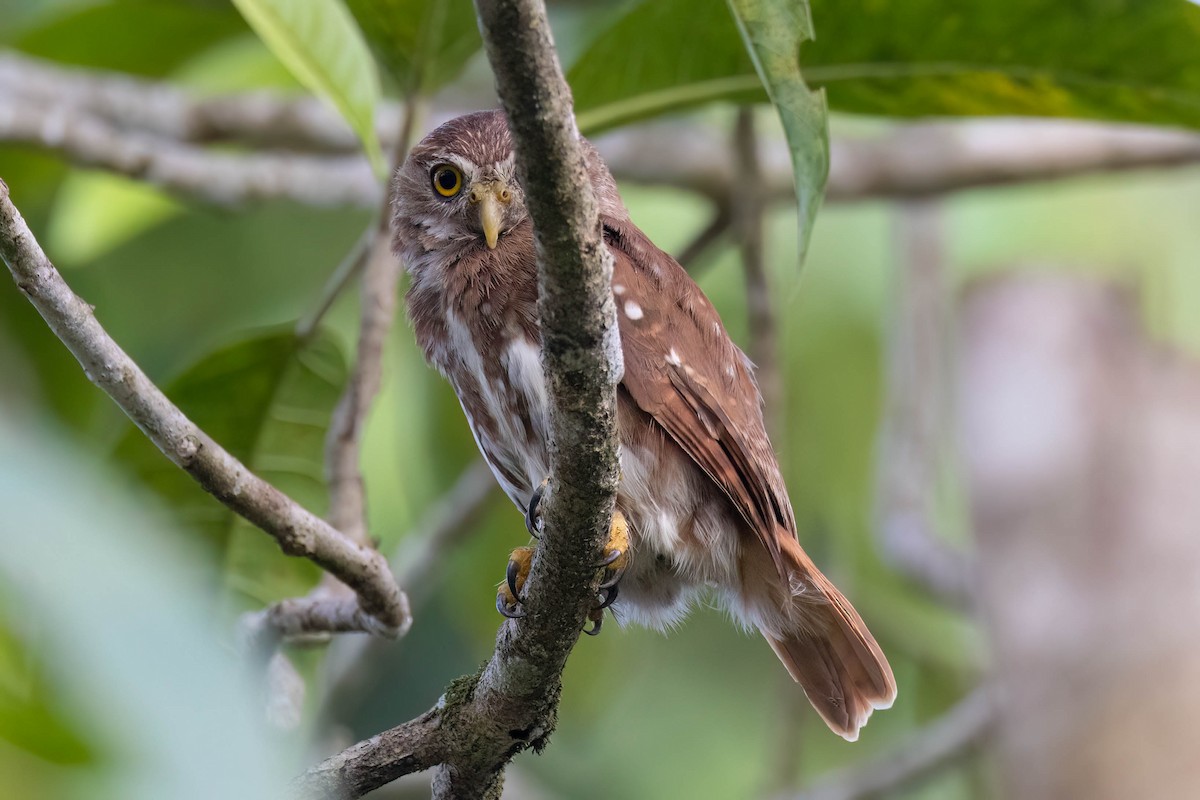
(833, 656)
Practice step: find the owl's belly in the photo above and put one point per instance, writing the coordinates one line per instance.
(686, 535)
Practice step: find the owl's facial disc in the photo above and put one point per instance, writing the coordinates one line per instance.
(491, 197)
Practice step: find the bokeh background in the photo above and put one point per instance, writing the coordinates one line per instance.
(120, 585)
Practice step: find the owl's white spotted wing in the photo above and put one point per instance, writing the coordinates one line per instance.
(683, 370)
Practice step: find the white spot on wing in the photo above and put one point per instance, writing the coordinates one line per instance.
(618, 289)
(633, 310)
(673, 358)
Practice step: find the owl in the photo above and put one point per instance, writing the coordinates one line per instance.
(701, 507)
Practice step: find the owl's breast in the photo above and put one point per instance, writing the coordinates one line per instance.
(502, 389)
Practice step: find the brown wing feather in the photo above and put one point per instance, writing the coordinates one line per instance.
(682, 368)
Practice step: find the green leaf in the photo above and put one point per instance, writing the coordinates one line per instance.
(661, 56)
(95, 212)
(1127, 60)
(322, 46)
(423, 43)
(31, 717)
(139, 37)
(773, 31)
(268, 401)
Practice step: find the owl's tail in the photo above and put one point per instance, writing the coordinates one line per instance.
(829, 650)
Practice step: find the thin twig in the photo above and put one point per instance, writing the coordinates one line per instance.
(419, 561)
(347, 502)
(694, 255)
(914, 432)
(298, 532)
(381, 277)
(750, 206)
(338, 280)
(331, 607)
(421, 555)
(933, 747)
(483, 721)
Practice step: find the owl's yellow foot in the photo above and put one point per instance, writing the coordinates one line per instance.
(616, 560)
(510, 597)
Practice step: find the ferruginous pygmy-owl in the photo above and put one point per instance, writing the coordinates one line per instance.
(700, 490)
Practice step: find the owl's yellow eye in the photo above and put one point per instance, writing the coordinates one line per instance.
(447, 180)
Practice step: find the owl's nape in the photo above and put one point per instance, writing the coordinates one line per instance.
(703, 500)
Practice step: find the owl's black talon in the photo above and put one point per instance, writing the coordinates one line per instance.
(511, 576)
(533, 513)
(509, 597)
(506, 610)
(596, 623)
(608, 595)
(612, 578)
(610, 557)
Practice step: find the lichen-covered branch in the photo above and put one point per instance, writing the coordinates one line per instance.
(486, 719)
(381, 604)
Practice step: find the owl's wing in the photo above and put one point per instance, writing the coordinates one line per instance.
(682, 369)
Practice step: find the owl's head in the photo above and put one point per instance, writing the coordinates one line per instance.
(458, 190)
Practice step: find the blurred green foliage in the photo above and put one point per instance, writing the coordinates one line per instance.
(103, 594)
(1127, 60)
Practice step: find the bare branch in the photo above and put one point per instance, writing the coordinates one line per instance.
(347, 503)
(962, 728)
(215, 177)
(916, 160)
(692, 256)
(141, 128)
(347, 500)
(442, 527)
(171, 112)
(418, 561)
(297, 531)
(916, 425)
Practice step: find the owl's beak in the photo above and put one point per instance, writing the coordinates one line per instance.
(491, 197)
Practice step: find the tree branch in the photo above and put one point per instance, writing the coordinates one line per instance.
(484, 720)
(418, 561)
(693, 255)
(143, 129)
(911, 161)
(223, 178)
(263, 118)
(916, 424)
(963, 727)
(749, 204)
(381, 607)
